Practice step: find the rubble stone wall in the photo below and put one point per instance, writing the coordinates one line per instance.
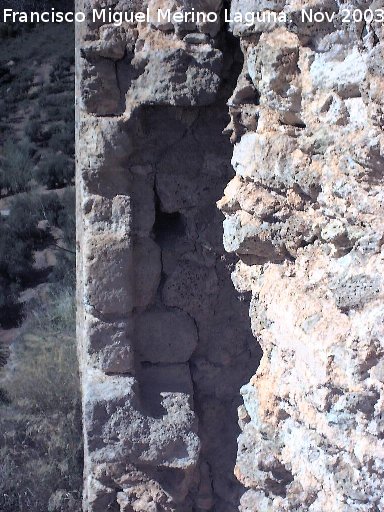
(305, 215)
(164, 337)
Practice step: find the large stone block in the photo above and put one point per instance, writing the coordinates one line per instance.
(121, 425)
(191, 287)
(108, 278)
(100, 90)
(147, 271)
(175, 73)
(104, 147)
(165, 336)
(143, 204)
(110, 345)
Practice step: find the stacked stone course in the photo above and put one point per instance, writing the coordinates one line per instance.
(165, 344)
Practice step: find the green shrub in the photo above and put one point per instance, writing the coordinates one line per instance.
(64, 272)
(21, 86)
(34, 130)
(16, 167)
(62, 67)
(19, 238)
(25, 213)
(67, 218)
(50, 207)
(64, 113)
(55, 88)
(60, 212)
(49, 367)
(68, 114)
(9, 292)
(16, 260)
(56, 171)
(52, 100)
(53, 113)
(39, 132)
(63, 140)
(55, 315)
(3, 109)
(6, 74)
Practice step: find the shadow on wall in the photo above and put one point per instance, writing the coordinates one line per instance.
(194, 339)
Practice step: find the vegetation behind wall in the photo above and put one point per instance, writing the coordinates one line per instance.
(40, 425)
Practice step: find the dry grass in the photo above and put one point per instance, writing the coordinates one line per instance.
(40, 439)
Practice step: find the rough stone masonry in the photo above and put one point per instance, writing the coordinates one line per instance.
(164, 339)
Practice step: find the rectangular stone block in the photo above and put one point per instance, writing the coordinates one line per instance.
(108, 285)
(109, 345)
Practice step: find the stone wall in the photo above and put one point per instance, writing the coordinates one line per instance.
(164, 338)
(305, 214)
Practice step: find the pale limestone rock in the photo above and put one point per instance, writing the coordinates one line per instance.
(311, 420)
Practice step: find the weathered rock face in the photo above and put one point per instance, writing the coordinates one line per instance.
(164, 338)
(305, 214)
